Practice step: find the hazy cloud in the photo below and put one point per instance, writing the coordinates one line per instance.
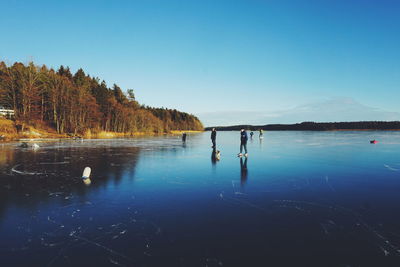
(335, 109)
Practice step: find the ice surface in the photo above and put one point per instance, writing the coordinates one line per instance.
(303, 198)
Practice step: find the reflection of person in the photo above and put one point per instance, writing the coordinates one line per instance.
(213, 137)
(184, 137)
(215, 155)
(243, 171)
(243, 142)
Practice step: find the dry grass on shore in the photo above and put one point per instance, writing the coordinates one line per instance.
(88, 134)
(106, 135)
(7, 129)
(8, 132)
(188, 131)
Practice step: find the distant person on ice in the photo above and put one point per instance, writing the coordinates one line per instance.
(213, 137)
(243, 142)
(261, 133)
(251, 135)
(184, 137)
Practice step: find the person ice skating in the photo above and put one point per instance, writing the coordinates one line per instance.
(243, 142)
(261, 133)
(184, 137)
(251, 134)
(213, 137)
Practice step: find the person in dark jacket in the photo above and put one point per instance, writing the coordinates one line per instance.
(213, 137)
(184, 137)
(243, 142)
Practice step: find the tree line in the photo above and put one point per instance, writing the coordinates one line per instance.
(74, 103)
(318, 126)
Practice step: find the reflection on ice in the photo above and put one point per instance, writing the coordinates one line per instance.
(243, 171)
(86, 176)
(215, 155)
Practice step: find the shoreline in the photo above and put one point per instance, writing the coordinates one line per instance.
(183, 131)
(296, 130)
(23, 137)
(318, 126)
(9, 131)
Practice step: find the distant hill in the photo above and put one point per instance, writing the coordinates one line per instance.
(317, 126)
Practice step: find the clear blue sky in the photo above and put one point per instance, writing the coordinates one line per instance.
(201, 56)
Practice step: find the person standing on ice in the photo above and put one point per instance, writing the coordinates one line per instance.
(213, 137)
(243, 142)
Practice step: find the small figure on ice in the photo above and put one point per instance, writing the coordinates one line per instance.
(243, 142)
(213, 137)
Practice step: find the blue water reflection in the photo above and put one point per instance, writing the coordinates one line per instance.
(299, 199)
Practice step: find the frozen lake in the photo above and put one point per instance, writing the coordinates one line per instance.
(299, 199)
